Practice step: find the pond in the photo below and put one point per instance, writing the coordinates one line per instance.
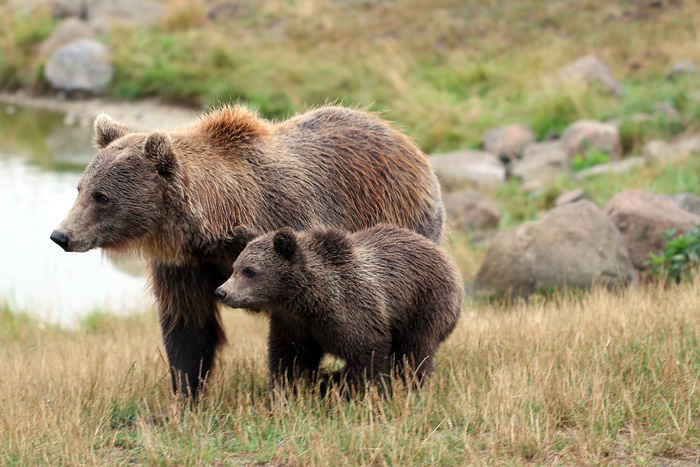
(41, 160)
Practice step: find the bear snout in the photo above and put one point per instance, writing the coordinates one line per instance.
(60, 239)
(220, 294)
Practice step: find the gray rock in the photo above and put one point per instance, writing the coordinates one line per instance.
(617, 167)
(586, 135)
(467, 211)
(79, 66)
(69, 30)
(684, 67)
(105, 14)
(541, 162)
(659, 150)
(573, 246)
(688, 202)
(570, 197)
(591, 70)
(641, 217)
(468, 168)
(508, 142)
(667, 109)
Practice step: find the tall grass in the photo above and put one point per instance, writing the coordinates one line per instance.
(604, 378)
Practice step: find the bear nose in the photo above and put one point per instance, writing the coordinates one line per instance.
(220, 294)
(60, 239)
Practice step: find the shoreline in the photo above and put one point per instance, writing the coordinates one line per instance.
(146, 115)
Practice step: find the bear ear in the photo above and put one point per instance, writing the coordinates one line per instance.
(285, 242)
(107, 130)
(159, 151)
(241, 236)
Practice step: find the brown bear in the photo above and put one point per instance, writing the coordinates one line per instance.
(175, 198)
(372, 298)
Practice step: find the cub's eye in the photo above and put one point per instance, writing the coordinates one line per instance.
(101, 198)
(248, 272)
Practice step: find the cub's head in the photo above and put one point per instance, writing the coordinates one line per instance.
(121, 193)
(264, 272)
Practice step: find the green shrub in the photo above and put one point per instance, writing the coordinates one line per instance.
(680, 257)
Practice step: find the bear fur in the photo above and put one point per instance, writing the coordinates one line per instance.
(380, 299)
(176, 197)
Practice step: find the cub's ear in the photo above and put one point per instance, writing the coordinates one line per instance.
(285, 242)
(107, 130)
(159, 151)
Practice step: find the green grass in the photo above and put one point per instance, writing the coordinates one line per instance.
(445, 72)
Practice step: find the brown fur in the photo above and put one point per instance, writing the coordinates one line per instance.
(379, 295)
(176, 197)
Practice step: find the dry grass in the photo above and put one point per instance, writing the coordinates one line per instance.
(604, 378)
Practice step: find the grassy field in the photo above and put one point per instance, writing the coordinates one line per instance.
(446, 71)
(603, 378)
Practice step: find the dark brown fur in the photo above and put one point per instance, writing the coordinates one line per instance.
(175, 198)
(372, 297)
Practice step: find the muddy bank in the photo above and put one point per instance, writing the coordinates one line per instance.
(139, 115)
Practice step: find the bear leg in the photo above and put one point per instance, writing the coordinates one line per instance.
(292, 354)
(190, 322)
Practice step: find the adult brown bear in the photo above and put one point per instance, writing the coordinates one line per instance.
(175, 198)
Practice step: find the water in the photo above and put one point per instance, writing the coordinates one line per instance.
(41, 160)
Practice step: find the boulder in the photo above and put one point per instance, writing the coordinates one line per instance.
(69, 30)
(688, 202)
(591, 70)
(573, 246)
(79, 66)
(684, 67)
(617, 167)
(541, 162)
(468, 211)
(570, 197)
(508, 142)
(585, 135)
(468, 168)
(641, 217)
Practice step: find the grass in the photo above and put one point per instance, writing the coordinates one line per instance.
(445, 72)
(600, 378)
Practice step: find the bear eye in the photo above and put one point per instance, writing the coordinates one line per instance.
(248, 272)
(101, 198)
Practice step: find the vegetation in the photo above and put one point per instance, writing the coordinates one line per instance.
(681, 256)
(445, 72)
(601, 378)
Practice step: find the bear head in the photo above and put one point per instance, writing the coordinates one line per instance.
(264, 273)
(121, 194)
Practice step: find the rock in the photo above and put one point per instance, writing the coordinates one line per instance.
(68, 31)
(687, 146)
(585, 135)
(79, 66)
(102, 15)
(617, 167)
(468, 168)
(467, 211)
(573, 246)
(223, 11)
(684, 67)
(541, 161)
(641, 217)
(591, 70)
(667, 109)
(570, 197)
(659, 150)
(508, 142)
(688, 202)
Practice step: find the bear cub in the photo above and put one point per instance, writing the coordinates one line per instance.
(379, 298)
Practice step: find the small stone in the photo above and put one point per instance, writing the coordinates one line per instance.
(659, 150)
(570, 197)
(79, 66)
(585, 135)
(468, 168)
(684, 67)
(541, 161)
(616, 167)
(468, 211)
(591, 70)
(508, 142)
